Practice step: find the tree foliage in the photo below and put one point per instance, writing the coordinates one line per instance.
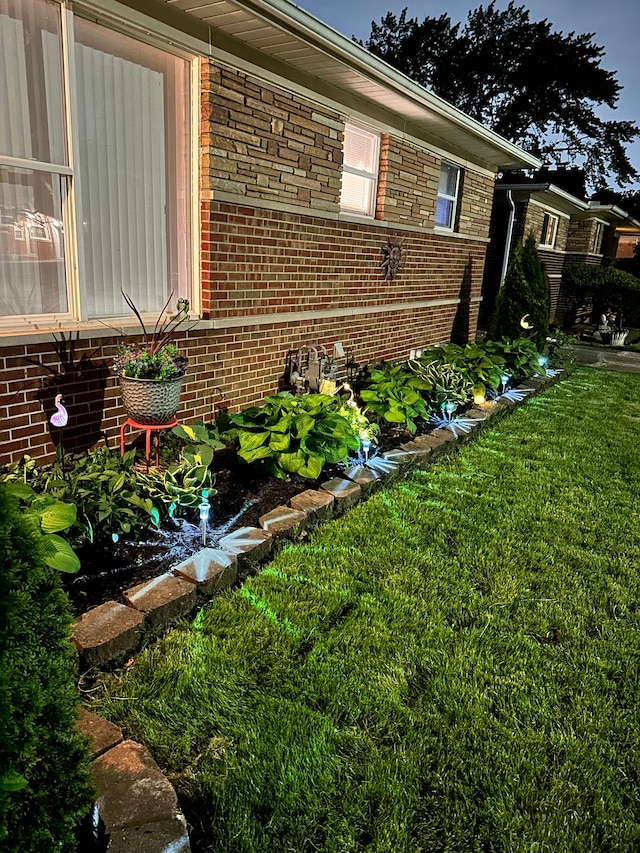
(534, 85)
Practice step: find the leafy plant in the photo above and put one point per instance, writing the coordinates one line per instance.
(448, 383)
(198, 434)
(156, 357)
(521, 356)
(360, 424)
(43, 516)
(394, 394)
(294, 435)
(601, 286)
(44, 785)
(183, 482)
(105, 488)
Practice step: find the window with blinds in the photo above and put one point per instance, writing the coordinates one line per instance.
(359, 171)
(121, 216)
(447, 200)
(549, 231)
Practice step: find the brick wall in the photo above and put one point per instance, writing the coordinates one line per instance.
(275, 279)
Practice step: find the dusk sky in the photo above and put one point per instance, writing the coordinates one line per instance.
(616, 24)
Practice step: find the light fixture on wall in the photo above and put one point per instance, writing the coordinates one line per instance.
(351, 366)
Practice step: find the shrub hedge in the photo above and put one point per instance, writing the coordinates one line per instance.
(602, 286)
(44, 789)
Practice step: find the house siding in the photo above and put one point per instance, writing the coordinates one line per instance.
(280, 267)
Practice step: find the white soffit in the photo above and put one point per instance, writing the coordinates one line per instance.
(281, 30)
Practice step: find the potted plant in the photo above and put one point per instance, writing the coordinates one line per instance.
(151, 371)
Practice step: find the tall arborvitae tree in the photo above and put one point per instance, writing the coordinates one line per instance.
(525, 293)
(539, 88)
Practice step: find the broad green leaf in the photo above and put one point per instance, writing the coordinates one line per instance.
(119, 483)
(56, 517)
(12, 781)
(252, 440)
(291, 462)
(279, 441)
(283, 425)
(253, 455)
(303, 424)
(58, 554)
(19, 490)
(313, 467)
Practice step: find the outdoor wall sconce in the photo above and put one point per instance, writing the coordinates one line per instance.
(351, 366)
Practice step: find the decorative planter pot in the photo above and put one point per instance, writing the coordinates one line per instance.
(151, 401)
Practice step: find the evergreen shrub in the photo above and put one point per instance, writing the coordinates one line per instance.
(525, 292)
(602, 287)
(44, 789)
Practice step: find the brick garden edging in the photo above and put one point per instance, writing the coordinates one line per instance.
(135, 801)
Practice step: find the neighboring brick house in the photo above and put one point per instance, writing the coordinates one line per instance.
(550, 205)
(243, 156)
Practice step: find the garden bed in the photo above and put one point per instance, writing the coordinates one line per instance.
(453, 664)
(243, 493)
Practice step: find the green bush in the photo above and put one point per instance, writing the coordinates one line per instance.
(525, 292)
(294, 435)
(602, 286)
(44, 789)
(395, 394)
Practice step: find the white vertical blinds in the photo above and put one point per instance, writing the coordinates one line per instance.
(15, 129)
(121, 130)
(129, 178)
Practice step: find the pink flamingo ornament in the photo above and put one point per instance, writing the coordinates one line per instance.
(60, 418)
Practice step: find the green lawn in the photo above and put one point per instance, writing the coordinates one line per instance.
(452, 666)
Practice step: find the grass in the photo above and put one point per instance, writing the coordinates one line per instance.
(452, 666)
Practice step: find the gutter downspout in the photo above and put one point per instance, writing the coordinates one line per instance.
(507, 246)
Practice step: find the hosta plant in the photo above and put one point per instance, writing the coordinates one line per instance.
(521, 356)
(478, 364)
(104, 487)
(395, 394)
(44, 517)
(446, 383)
(293, 435)
(182, 483)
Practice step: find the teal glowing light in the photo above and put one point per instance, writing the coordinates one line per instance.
(204, 515)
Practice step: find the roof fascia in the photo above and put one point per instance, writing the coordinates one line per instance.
(547, 193)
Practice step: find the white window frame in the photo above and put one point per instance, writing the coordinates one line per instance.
(367, 177)
(454, 199)
(549, 219)
(68, 174)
